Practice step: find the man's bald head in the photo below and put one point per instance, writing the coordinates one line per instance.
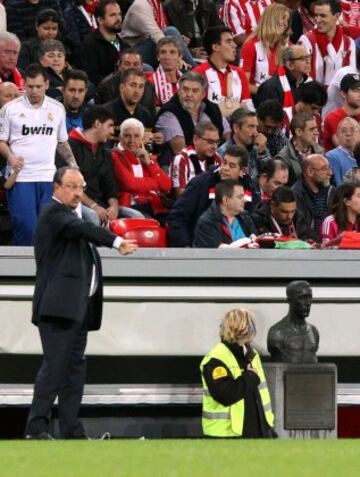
(8, 92)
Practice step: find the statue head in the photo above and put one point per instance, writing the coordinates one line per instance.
(238, 326)
(299, 297)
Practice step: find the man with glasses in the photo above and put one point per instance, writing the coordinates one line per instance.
(195, 159)
(314, 196)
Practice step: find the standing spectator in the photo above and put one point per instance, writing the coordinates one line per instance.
(8, 92)
(345, 213)
(144, 24)
(195, 159)
(243, 16)
(74, 92)
(101, 49)
(179, 116)
(127, 105)
(32, 128)
(224, 221)
(108, 88)
(141, 181)
(314, 196)
(329, 47)
(47, 25)
(245, 132)
(271, 124)
(21, 16)
(350, 87)
(167, 74)
(341, 159)
(303, 142)
(9, 54)
(199, 194)
(283, 85)
(261, 53)
(227, 84)
(277, 215)
(80, 20)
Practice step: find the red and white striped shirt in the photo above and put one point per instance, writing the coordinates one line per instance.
(218, 84)
(243, 16)
(182, 168)
(255, 60)
(164, 89)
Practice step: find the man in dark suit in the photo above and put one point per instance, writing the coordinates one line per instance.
(67, 303)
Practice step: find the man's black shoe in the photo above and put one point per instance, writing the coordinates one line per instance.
(43, 436)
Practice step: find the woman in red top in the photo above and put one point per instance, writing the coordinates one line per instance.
(261, 52)
(141, 180)
(345, 213)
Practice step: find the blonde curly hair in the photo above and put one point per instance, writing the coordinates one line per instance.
(238, 326)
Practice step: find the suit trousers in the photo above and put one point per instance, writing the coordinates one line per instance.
(62, 374)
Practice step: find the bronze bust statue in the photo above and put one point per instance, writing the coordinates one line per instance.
(293, 340)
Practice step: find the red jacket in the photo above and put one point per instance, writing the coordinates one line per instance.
(139, 190)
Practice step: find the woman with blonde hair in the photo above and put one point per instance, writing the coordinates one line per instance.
(236, 399)
(261, 53)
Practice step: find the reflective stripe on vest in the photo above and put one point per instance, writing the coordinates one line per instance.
(228, 421)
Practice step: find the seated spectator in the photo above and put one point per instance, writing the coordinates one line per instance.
(224, 221)
(335, 98)
(245, 132)
(272, 174)
(243, 17)
(284, 83)
(179, 116)
(341, 159)
(199, 194)
(9, 54)
(127, 105)
(52, 56)
(303, 142)
(312, 97)
(271, 117)
(314, 196)
(167, 74)
(350, 88)
(47, 28)
(94, 162)
(227, 84)
(100, 52)
(328, 44)
(8, 92)
(74, 92)
(353, 175)
(196, 159)
(141, 181)
(345, 212)
(21, 16)
(261, 53)
(192, 18)
(277, 215)
(108, 88)
(144, 24)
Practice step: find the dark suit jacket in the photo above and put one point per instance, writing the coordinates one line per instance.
(64, 263)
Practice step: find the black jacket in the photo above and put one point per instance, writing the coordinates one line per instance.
(305, 222)
(210, 231)
(261, 217)
(99, 57)
(64, 262)
(182, 16)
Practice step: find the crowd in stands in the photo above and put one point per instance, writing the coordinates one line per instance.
(223, 120)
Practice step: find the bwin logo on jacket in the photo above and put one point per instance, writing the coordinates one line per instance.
(43, 130)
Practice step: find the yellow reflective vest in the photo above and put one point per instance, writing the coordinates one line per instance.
(228, 421)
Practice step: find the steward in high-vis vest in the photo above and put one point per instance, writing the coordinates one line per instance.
(236, 399)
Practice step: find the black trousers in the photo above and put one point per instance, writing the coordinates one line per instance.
(62, 374)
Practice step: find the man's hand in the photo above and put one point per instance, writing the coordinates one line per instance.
(260, 142)
(143, 156)
(250, 368)
(16, 162)
(128, 246)
(102, 213)
(112, 212)
(199, 53)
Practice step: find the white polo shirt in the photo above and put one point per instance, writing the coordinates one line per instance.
(34, 133)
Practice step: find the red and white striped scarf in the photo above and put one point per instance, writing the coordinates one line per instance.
(159, 14)
(164, 90)
(288, 99)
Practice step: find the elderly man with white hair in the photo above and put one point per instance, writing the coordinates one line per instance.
(9, 54)
(141, 180)
(341, 159)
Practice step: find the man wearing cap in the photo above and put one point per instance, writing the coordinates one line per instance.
(350, 90)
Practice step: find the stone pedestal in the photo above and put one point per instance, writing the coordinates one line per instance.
(303, 399)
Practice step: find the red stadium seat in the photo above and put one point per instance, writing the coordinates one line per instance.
(147, 232)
